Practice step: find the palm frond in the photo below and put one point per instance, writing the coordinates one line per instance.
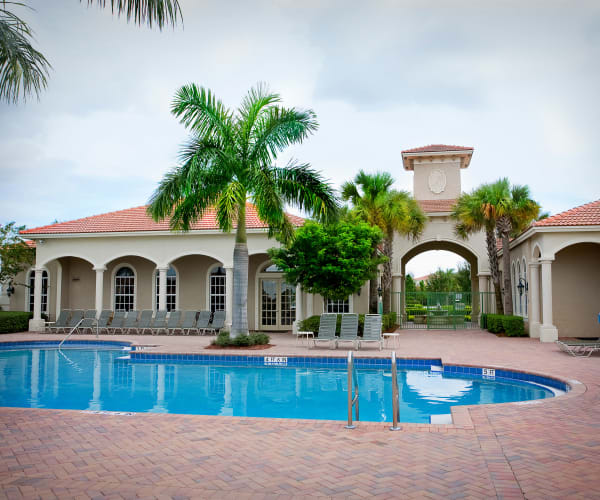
(254, 103)
(228, 202)
(159, 12)
(23, 70)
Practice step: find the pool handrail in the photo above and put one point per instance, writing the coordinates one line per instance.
(352, 398)
(395, 396)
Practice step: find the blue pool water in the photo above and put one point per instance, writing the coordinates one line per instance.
(97, 379)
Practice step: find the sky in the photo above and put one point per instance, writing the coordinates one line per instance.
(516, 80)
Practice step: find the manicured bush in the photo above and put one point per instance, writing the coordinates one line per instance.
(483, 321)
(514, 326)
(14, 321)
(494, 323)
(224, 340)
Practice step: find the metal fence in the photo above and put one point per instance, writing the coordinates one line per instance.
(441, 310)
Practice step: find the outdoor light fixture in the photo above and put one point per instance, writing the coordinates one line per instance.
(10, 290)
(522, 285)
(379, 290)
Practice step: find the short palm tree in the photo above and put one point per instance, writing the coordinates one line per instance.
(471, 216)
(391, 211)
(228, 161)
(24, 70)
(513, 210)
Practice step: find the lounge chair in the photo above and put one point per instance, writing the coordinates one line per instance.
(131, 321)
(61, 322)
(89, 321)
(349, 330)
(144, 321)
(579, 348)
(160, 322)
(76, 317)
(189, 322)
(103, 320)
(327, 326)
(372, 330)
(203, 321)
(173, 322)
(217, 323)
(117, 322)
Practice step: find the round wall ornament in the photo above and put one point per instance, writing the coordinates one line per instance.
(437, 181)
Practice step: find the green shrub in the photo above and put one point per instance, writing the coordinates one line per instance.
(483, 321)
(224, 340)
(494, 323)
(312, 324)
(514, 326)
(468, 308)
(410, 318)
(14, 321)
(467, 317)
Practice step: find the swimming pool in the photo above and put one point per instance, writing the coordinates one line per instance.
(107, 378)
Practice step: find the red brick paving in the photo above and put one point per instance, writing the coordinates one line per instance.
(545, 449)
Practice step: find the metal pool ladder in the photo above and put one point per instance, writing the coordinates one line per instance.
(75, 328)
(353, 391)
(395, 396)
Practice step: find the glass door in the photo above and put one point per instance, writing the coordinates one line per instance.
(277, 304)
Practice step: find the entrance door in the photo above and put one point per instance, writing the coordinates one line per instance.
(277, 304)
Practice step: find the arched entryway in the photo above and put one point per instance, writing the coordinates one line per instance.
(276, 299)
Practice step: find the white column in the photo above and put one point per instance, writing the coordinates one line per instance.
(299, 313)
(99, 289)
(162, 288)
(309, 304)
(548, 332)
(37, 324)
(229, 296)
(534, 293)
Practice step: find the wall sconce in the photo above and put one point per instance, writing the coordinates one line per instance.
(10, 290)
(522, 285)
(379, 291)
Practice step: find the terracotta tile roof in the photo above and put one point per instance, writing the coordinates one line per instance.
(422, 278)
(136, 219)
(437, 148)
(430, 206)
(584, 215)
(30, 243)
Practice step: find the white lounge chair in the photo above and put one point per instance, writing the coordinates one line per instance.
(372, 330)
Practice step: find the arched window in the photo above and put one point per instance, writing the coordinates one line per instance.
(272, 268)
(171, 289)
(517, 286)
(514, 288)
(44, 291)
(217, 289)
(124, 289)
(525, 292)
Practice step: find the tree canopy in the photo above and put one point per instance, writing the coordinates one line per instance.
(15, 254)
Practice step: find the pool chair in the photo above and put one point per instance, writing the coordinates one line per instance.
(327, 325)
(61, 322)
(372, 330)
(173, 323)
(349, 330)
(103, 320)
(130, 322)
(117, 322)
(579, 348)
(160, 322)
(216, 324)
(189, 322)
(203, 321)
(89, 321)
(145, 321)
(76, 319)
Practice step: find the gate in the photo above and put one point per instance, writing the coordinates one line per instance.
(440, 310)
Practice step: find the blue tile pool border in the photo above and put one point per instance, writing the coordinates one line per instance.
(24, 344)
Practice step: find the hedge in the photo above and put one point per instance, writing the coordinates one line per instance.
(14, 321)
(312, 324)
(513, 326)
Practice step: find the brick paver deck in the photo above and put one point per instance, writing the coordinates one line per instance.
(545, 449)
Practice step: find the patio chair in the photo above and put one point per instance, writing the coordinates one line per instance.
(117, 322)
(159, 323)
(76, 318)
(349, 330)
(144, 321)
(203, 321)
(189, 322)
(579, 348)
(61, 322)
(217, 323)
(372, 330)
(173, 323)
(103, 320)
(89, 321)
(327, 326)
(130, 322)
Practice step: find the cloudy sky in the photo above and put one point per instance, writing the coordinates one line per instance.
(517, 80)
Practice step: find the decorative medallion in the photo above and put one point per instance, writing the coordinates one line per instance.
(437, 181)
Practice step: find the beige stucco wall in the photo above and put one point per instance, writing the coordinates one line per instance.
(423, 169)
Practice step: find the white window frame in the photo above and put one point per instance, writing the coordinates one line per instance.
(326, 303)
(30, 290)
(209, 287)
(155, 290)
(525, 292)
(117, 268)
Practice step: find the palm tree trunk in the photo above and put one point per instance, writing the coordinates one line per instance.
(490, 240)
(373, 292)
(386, 277)
(240, 277)
(504, 228)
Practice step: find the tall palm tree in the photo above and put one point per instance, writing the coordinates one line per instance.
(228, 161)
(513, 210)
(24, 70)
(471, 217)
(391, 211)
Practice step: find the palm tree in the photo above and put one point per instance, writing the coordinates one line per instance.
(391, 211)
(24, 71)
(513, 210)
(471, 217)
(227, 161)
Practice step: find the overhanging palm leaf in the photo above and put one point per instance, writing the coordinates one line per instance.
(159, 12)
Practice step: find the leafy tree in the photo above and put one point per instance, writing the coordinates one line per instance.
(442, 281)
(15, 254)
(422, 286)
(228, 161)
(391, 211)
(463, 278)
(333, 260)
(409, 284)
(24, 70)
